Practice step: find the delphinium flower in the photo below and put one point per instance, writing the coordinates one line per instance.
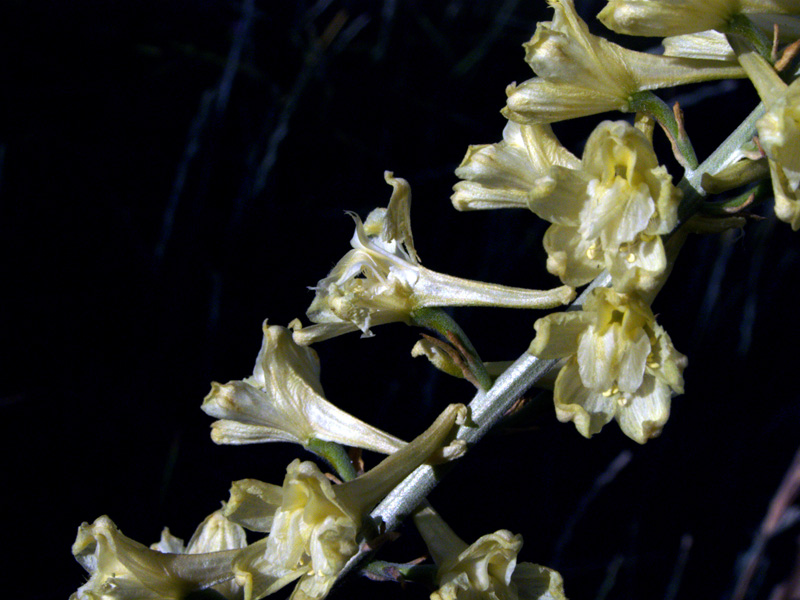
(284, 401)
(608, 210)
(215, 534)
(620, 364)
(582, 74)
(664, 18)
(778, 131)
(513, 173)
(779, 134)
(122, 569)
(382, 281)
(315, 526)
(485, 570)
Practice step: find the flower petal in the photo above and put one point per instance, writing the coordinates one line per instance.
(589, 410)
(645, 412)
(557, 334)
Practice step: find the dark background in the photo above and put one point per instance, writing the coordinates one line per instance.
(174, 172)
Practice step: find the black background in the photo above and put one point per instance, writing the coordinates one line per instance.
(141, 253)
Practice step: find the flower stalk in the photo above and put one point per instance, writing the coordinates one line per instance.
(650, 104)
(725, 155)
(335, 455)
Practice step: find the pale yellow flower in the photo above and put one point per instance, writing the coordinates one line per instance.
(663, 18)
(284, 401)
(511, 173)
(612, 211)
(582, 74)
(122, 569)
(315, 526)
(485, 570)
(778, 132)
(620, 365)
(382, 281)
(608, 210)
(215, 534)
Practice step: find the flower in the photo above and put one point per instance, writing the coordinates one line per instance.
(779, 134)
(314, 526)
(284, 401)
(663, 18)
(511, 173)
(778, 131)
(215, 534)
(581, 74)
(611, 212)
(620, 365)
(382, 281)
(486, 569)
(608, 210)
(122, 569)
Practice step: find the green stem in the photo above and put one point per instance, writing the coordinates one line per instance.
(744, 27)
(725, 155)
(439, 321)
(335, 455)
(650, 104)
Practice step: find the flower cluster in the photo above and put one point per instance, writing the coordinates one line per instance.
(609, 211)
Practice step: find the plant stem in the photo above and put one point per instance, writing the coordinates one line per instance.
(725, 155)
